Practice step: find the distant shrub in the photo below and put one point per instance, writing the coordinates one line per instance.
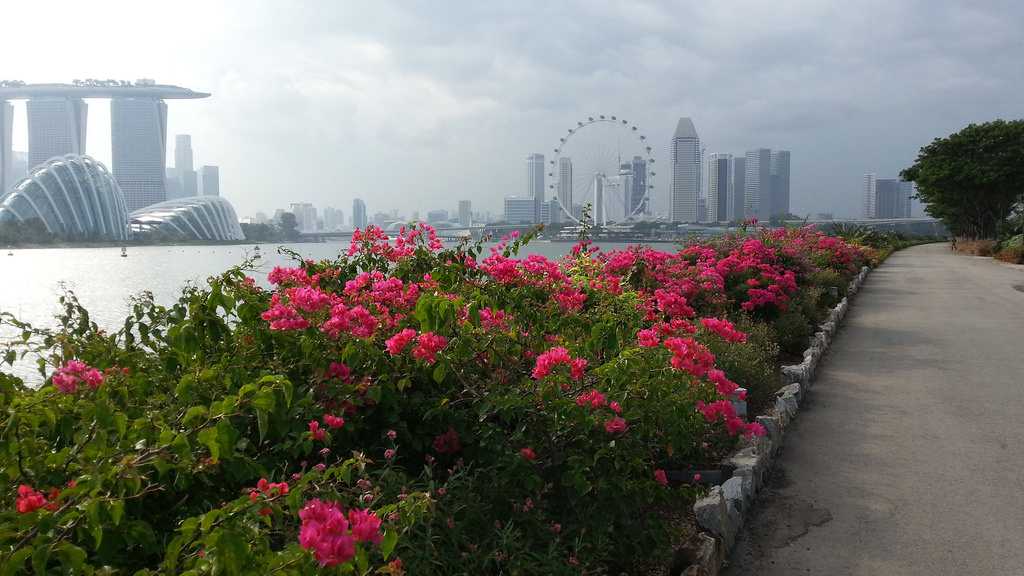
(792, 332)
(976, 247)
(1013, 255)
(753, 364)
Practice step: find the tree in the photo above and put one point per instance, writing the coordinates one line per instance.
(972, 179)
(289, 226)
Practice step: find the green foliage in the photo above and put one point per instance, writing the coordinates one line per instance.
(753, 365)
(156, 470)
(971, 179)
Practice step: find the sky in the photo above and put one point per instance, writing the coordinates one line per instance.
(416, 105)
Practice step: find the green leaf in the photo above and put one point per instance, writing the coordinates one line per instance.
(17, 560)
(40, 558)
(387, 545)
(194, 414)
(116, 511)
(208, 438)
(440, 371)
(231, 551)
(71, 557)
(264, 400)
(92, 512)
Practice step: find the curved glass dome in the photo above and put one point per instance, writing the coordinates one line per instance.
(193, 218)
(75, 197)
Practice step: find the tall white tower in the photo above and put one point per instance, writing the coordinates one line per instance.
(535, 183)
(686, 155)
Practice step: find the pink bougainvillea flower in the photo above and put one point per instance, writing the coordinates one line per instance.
(660, 477)
(448, 442)
(397, 343)
(365, 526)
(428, 345)
(325, 531)
(528, 454)
(647, 338)
(75, 372)
(333, 421)
(315, 431)
(29, 499)
(616, 425)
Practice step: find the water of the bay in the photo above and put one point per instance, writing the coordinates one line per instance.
(32, 280)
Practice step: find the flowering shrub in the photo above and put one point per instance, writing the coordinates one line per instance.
(402, 408)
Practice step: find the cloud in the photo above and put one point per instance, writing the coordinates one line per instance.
(417, 105)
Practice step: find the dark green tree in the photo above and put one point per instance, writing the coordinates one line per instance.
(289, 226)
(972, 179)
(260, 232)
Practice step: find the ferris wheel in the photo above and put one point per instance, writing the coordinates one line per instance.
(604, 161)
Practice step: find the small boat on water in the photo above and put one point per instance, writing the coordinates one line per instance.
(256, 250)
(124, 251)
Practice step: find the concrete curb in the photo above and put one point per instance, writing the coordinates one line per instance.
(721, 513)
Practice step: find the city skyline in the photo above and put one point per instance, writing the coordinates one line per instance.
(380, 90)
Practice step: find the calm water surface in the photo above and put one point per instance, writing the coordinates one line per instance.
(31, 280)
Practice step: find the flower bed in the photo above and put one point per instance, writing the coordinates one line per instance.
(407, 408)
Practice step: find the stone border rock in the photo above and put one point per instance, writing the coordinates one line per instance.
(721, 513)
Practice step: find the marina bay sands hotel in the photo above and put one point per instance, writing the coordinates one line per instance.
(57, 126)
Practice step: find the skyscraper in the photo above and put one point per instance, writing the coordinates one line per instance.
(358, 214)
(519, 210)
(757, 186)
(721, 193)
(209, 181)
(739, 179)
(6, 150)
(183, 164)
(907, 192)
(56, 126)
(138, 134)
(305, 216)
(535, 183)
(637, 203)
(869, 196)
(685, 172)
(465, 213)
(565, 185)
(779, 175)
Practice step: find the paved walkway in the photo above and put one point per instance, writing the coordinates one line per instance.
(908, 457)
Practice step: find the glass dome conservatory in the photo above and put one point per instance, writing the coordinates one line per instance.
(75, 197)
(193, 218)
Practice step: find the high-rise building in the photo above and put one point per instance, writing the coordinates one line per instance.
(520, 210)
(138, 134)
(535, 183)
(637, 203)
(565, 185)
(737, 211)
(6, 150)
(868, 196)
(56, 126)
(890, 197)
(358, 214)
(183, 165)
(721, 193)
(685, 190)
(305, 216)
(465, 213)
(779, 176)
(907, 191)
(757, 185)
(172, 184)
(209, 181)
(333, 219)
(437, 216)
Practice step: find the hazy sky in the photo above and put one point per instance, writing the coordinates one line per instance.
(415, 105)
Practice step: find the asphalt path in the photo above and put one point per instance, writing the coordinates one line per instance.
(908, 455)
